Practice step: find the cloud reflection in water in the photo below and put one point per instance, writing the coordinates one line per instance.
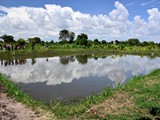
(54, 72)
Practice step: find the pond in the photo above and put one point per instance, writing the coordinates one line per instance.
(69, 77)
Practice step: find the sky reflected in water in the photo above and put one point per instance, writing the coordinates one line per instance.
(65, 77)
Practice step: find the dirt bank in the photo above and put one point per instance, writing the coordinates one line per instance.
(13, 110)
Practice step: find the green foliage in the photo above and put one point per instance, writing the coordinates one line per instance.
(133, 41)
(104, 42)
(51, 42)
(34, 40)
(65, 35)
(82, 42)
(82, 39)
(63, 42)
(8, 39)
(42, 43)
(21, 41)
(37, 40)
(144, 43)
(117, 42)
(96, 42)
(151, 43)
(71, 37)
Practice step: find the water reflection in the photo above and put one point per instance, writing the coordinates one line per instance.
(115, 68)
(13, 62)
(66, 59)
(46, 59)
(33, 61)
(75, 76)
(82, 59)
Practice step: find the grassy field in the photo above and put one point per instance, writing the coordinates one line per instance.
(139, 99)
(57, 49)
(39, 52)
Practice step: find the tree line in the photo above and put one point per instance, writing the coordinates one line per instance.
(7, 42)
(69, 37)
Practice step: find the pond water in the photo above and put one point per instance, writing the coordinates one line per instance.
(68, 77)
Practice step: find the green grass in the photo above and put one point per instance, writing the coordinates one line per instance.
(144, 91)
(72, 49)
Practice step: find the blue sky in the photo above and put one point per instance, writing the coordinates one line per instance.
(131, 9)
(93, 7)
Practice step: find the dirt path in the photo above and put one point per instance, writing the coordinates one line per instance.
(13, 110)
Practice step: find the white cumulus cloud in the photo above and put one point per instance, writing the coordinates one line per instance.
(48, 21)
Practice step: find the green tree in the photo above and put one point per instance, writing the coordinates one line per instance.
(51, 42)
(104, 42)
(8, 39)
(37, 40)
(111, 42)
(96, 42)
(21, 43)
(144, 43)
(32, 42)
(42, 43)
(1, 45)
(71, 37)
(117, 42)
(65, 35)
(151, 43)
(63, 42)
(133, 41)
(82, 39)
(89, 43)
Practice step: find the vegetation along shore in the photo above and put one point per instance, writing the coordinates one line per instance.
(68, 44)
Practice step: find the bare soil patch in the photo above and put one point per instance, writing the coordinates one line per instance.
(13, 110)
(113, 106)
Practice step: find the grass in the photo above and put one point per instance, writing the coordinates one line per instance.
(143, 96)
(41, 51)
(139, 99)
